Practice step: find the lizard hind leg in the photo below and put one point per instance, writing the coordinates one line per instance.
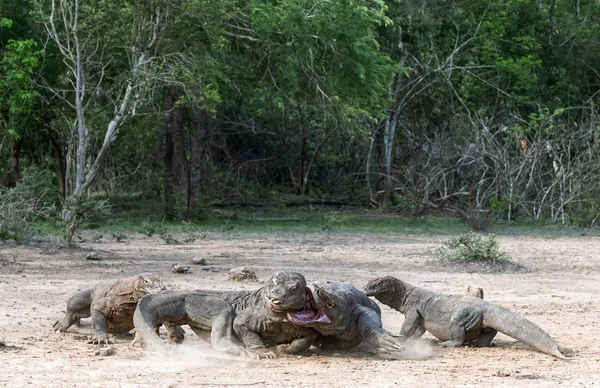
(465, 324)
(216, 315)
(485, 339)
(222, 335)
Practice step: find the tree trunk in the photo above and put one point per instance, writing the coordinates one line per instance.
(198, 137)
(173, 127)
(59, 161)
(388, 142)
(11, 177)
(303, 178)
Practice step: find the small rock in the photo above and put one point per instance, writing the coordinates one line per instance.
(473, 291)
(105, 352)
(199, 260)
(178, 268)
(93, 256)
(241, 274)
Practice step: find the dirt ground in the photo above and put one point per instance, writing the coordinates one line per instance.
(559, 291)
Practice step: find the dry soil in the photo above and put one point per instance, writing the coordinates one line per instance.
(559, 290)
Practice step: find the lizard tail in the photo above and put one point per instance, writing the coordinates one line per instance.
(143, 322)
(521, 329)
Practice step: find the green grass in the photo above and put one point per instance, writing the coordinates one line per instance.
(304, 222)
(130, 213)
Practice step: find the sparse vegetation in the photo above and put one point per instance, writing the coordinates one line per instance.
(32, 199)
(472, 247)
(80, 209)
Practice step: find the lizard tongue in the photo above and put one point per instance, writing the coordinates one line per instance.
(306, 315)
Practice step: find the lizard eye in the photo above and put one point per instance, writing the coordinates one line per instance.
(330, 305)
(294, 288)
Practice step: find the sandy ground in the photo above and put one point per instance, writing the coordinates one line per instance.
(560, 292)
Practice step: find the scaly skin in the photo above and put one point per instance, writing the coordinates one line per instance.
(202, 313)
(346, 317)
(111, 305)
(456, 319)
(262, 323)
(258, 317)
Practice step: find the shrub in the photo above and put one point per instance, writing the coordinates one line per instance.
(80, 209)
(472, 247)
(33, 198)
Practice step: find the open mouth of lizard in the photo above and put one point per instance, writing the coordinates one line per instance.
(312, 313)
(290, 303)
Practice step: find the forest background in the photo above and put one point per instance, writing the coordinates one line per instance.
(190, 111)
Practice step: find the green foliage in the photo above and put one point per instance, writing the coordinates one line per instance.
(33, 199)
(19, 60)
(472, 247)
(119, 236)
(39, 184)
(586, 212)
(150, 229)
(408, 206)
(5, 23)
(80, 209)
(333, 221)
(295, 95)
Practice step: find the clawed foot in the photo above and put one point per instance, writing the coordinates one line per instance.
(100, 341)
(283, 349)
(59, 326)
(389, 344)
(259, 353)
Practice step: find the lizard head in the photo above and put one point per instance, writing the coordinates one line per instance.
(379, 286)
(149, 284)
(287, 291)
(322, 306)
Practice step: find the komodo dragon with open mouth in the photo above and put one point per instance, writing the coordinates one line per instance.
(257, 317)
(346, 317)
(111, 306)
(456, 319)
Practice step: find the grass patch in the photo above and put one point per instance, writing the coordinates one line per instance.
(133, 214)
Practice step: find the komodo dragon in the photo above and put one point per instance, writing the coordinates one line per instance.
(456, 319)
(346, 317)
(111, 306)
(261, 319)
(201, 312)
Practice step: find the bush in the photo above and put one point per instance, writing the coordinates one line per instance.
(80, 209)
(472, 247)
(33, 198)
(38, 184)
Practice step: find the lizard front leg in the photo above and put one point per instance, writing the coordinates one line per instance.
(413, 325)
(247, 325)
(369, 325)
(300, 344)
(100, 324)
